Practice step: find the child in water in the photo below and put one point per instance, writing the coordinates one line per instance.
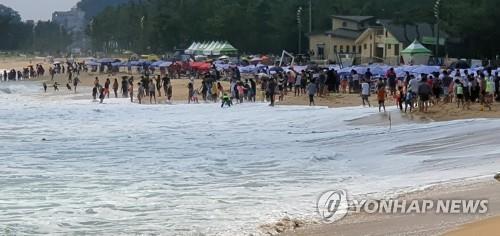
(56, 88)
(226, 100)
(45, 86)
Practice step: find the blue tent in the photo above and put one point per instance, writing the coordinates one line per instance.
(107, 60)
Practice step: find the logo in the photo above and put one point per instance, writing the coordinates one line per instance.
(332, 205)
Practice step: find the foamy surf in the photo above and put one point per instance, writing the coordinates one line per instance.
(72, 166)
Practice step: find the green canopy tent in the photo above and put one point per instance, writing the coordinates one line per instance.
(226, 49)
(416, 54)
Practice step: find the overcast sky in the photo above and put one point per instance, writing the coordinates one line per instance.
(39, 9)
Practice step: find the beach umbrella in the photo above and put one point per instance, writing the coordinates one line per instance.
(165, 64)
(276, 69)
(426, 70)
(107, 60)
(223, 58)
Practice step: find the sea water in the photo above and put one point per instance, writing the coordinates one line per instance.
(75, 166)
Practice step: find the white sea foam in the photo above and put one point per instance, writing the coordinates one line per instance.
(73, 166)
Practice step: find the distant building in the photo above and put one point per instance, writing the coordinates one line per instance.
(368, 40)
(74, 22)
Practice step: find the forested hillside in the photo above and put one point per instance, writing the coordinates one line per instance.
(271, 25)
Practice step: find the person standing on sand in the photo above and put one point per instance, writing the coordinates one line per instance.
(115, 88)
(253, 88)
(365, 92)
(131, 90)
(158, 85)
(166, 81)
(140, 93)
(298, 82)
(381, 98)
(152, 94)
(424, 93)
(169, 92)
(190, 92)
(76, 81)
(459, 93)
(311, 91)
(271, 90)
(124, 87)
(263, 89)
(400, 97)
(106, 86)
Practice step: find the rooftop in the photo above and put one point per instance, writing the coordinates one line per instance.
(353, 18)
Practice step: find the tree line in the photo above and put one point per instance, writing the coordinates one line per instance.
(268, 26)
(42, 36)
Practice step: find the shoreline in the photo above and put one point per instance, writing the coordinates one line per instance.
(484, 187)
(439, 112)
(370, 223)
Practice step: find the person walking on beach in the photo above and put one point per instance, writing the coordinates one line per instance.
(311, 91)
(365, 92)
(152, 89)
(115, 88)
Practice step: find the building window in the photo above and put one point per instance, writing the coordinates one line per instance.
(396, 49)
(359, 49)
(386, 34)
(341, 49)
(353, 49)
(347, 48)
(365, 46)
(335, 48)
(371, 36)
(344, 24)
(389, 46)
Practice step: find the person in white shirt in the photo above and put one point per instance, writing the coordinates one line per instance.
(365, 92)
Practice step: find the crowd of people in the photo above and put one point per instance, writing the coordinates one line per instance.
(29, 72)
(408, 92)
(461, 87)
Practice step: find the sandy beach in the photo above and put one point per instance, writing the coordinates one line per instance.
(426, 224)
(357, 224)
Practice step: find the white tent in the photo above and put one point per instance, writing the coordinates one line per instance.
(416, 54)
